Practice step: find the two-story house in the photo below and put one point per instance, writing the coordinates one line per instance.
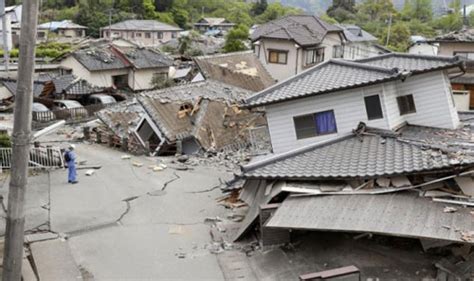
(65, 29)
(331, 99)
(292, 44)
(143, 32)
(112, 66)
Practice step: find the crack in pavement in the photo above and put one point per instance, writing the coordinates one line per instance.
(209, 189)
(177, 177)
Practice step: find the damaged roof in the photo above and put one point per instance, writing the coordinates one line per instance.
(354, 33)
(336, 75)
(121, 118)
(209, 89)
(142, 25)
(362, 156)
(65, 24)
(241, 69)
(460, 36)
(324, 78)
(400, 214)
(412, 62)
(72, 85)
(305, 30)
(109, 57)
(12, 87)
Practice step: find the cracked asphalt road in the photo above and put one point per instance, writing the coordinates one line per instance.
(131, 223)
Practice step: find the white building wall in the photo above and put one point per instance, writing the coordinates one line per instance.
(139, 37)
(142, 79)
(349, 110)
(433, 101)
(431, 93)
(359, 50)
(423, 49)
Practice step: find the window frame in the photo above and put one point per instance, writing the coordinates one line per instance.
(278, 53)
(160, 35)
(377, 117)
(315, 130)
(315, 57)
(406, 100)
(147, 35)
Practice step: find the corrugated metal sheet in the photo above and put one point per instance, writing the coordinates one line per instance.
(400, 214)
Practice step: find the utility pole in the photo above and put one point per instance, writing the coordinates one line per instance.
(389, 29)
(6, 48)
(13, 255)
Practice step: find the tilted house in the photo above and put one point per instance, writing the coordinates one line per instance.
(360, 44)
(207, 24)
(65, 29)
(191, 117)
(289, 45)
(110, 66)
(330, 99)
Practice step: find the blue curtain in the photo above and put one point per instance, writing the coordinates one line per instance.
(325, 122)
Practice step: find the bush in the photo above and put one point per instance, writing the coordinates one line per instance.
(5, 140)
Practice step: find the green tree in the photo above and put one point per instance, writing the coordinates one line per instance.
(180, 17)
(276, 10)
(163, 5)
(399, 37)
(259, 7)
(452, 21)
(417, 9)
(342, 10)
(235, 39)
(376, 10)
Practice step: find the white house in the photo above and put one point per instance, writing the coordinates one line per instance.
(109, 65)
(289, 45)
(359, 44)
(331, 99)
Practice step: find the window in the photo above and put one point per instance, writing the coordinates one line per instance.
(79, 33)
(311, 125)
(147, 35)
(138, 34)
(41, 34)
(337, 52)
(406, 104)
(159, 76)
(174, 34)
(277, 56)
(373, 107)
(467, 55)
(160, 35)
(313, 56)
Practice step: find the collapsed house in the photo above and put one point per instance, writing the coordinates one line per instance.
(240, 69)
(188, 118)
(359, 149)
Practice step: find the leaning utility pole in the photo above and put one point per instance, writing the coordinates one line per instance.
(389, 29)
(13, 255)
(6, 47)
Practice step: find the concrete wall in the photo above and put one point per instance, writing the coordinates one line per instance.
(431, 92)
(448, 49)
(139, 36)
(141, 79)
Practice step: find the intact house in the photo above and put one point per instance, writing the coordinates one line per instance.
(110, 66)
(240, 69)
(65, 29)
(330, 99)
(360, 44)
(142, 32)
(210, 24)
(193, 117)
(289, 45)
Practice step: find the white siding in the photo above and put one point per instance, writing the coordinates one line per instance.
(431, 93)
(433, 102)
(349, 110)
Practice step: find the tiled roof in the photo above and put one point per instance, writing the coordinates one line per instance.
(62, 82)
(241, 69)
(209, 89)
(12, 86)
(71, 85)
(146, 58)
(404, 214)
(326, 77)
(362, 156)
(213, 21)
(142, 25)
(464, 35)
(411, 62)
(65, 24)
(354, 33)
(108, 57)
(305, 30)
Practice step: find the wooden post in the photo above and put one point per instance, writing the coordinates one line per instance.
(13, 256)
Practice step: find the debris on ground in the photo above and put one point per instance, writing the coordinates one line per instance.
(448, 209)
(125, 157)
(90, 172)
(137, 164)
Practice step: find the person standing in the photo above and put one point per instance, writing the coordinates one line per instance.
(70, 157)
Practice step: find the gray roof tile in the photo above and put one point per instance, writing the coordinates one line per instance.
(326, 77)
(411, 62)
(303, 29)
(354, 33)
(354, 156)
(142, 25)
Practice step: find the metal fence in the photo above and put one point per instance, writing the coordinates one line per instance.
(47, 157)
(73, 114)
